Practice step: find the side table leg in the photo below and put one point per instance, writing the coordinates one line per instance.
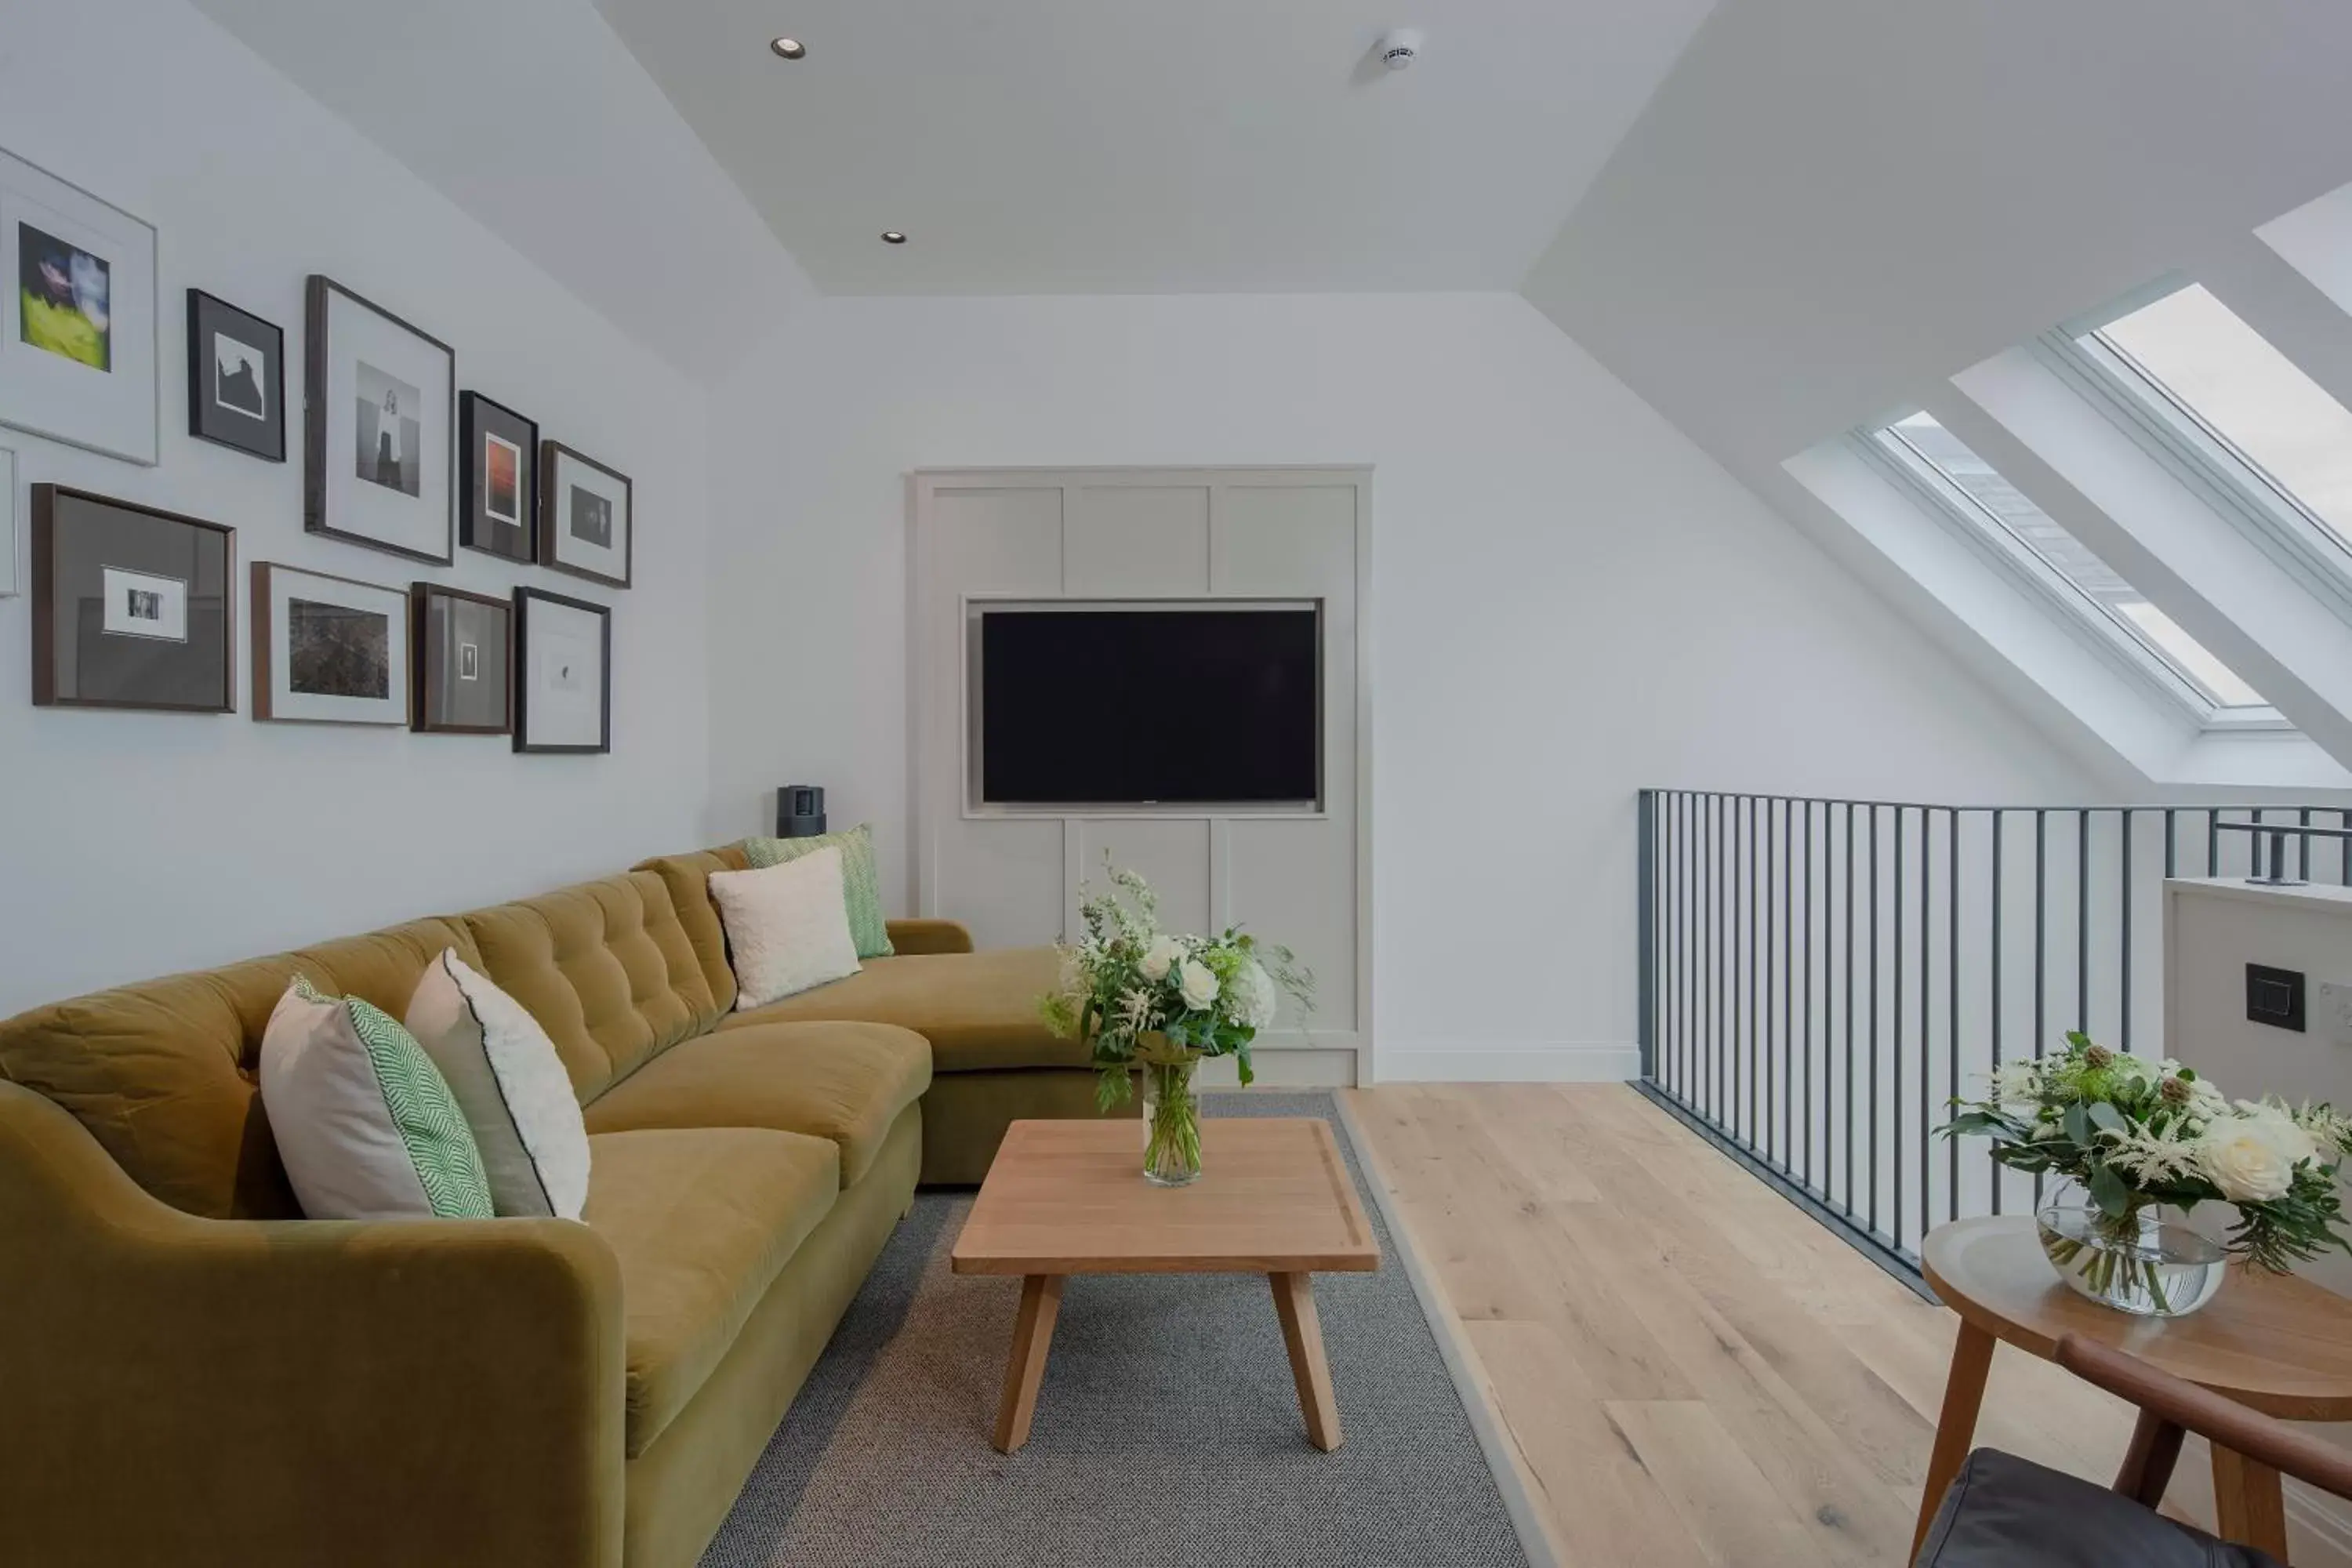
(1302, 1335)
(2248, 1505)
(1956, 1429)
(1032, 1333)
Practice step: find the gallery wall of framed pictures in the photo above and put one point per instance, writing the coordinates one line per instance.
(134, 607)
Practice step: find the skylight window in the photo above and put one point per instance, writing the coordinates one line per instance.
(2228, 381)
(1975, 490)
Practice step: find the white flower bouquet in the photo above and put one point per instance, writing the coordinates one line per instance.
(1148, 999)
(2137, 1133)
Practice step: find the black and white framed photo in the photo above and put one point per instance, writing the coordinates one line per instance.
(237, 378)
(464, 662)
(586, 526)
(380, 427)
(499, 478)
(131, 606)
(77, 344)
(563, 673)
(328, 650)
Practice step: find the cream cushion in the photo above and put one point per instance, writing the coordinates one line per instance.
(511, 1086)
(787, 927)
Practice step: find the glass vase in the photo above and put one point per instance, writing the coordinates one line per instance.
(1172, 1121)
(2134, 1262)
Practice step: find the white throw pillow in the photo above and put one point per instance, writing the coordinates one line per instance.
(511, 1086)
(365, 1124)
(787, 927)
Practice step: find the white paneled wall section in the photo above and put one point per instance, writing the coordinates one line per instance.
(1298, 876)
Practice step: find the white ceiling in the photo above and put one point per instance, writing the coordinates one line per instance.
(1113, 146)
(1831, 204)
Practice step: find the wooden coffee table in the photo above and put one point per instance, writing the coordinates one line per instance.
(1069, 1197)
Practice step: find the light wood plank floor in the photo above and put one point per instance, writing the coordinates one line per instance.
(1691, 1372)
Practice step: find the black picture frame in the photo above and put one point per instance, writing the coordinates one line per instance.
(81, 539)
(434, 653)
(318, 359)
(480, 421)
(524, 599)
(553, 456)
(245, 409)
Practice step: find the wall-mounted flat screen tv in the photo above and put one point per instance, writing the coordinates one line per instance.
(1149, 706)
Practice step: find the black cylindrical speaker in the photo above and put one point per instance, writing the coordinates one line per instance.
(800, 811)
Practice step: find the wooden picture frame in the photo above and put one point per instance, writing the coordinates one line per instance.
(560, 544)
(480, 422)
(528, 670)
(426, 715)
(337, 500)
(218, 409)
(334, 650)
(148, 539)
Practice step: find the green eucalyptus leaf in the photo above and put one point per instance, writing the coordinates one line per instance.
(2108, 1118)
(2078, 1125)
(2110, 1192)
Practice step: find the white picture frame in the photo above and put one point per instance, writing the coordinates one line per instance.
(380, 428)
(78, 317)
(328, 650)
(563, 673)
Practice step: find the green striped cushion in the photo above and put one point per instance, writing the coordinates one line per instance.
(365, 1121)
(859, 885)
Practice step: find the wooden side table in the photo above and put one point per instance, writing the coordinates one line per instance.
(2281, 1345)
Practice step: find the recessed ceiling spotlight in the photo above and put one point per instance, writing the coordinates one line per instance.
(787, 49)
(892, 236)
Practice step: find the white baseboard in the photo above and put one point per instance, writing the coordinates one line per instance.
(1532, 1061)
(1277, 1067)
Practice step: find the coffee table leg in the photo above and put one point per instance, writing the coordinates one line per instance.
(2248, 1505)
(1033, 1332)
(1956, 1429)
(1302, 1335)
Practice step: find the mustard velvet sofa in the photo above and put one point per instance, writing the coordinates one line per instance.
(193, 1374)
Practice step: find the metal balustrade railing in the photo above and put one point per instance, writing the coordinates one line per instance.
(1819, 977)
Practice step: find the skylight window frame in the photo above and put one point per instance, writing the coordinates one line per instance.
(2122, 644)
(2240, 490)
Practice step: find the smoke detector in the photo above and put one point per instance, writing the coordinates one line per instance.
(1401, 48)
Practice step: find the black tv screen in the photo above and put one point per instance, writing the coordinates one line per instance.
(1149, 706)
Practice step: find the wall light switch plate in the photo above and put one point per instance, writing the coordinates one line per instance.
(2332, 1001)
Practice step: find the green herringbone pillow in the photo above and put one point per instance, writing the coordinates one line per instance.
(860, 886)
(365, 1121)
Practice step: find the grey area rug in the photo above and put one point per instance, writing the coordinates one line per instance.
(1168, 1430)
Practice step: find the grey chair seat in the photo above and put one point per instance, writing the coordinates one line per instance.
(2007, 1512)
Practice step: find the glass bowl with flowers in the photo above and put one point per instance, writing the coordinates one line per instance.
(2140, 1138)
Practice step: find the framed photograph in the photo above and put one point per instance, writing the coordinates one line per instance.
(464, 662)
(327, 650)
(379, 427)
(237, 378)
(585, 523)
(131, 605)
(563, 673)
(78, 341)
(500, 478)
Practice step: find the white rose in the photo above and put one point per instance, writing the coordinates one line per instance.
(1255, 997)
(2278, 1124)
(1158, 958)
(2239, 1155)
(1198, 986)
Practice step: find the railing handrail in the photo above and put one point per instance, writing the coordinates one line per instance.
(2192, 808)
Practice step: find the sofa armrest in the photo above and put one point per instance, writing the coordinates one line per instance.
(291, 1391)
(930, 936)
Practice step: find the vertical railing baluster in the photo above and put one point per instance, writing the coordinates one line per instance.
(1754, 1016)
(1895, 1211)
(2303, 847)
(1995, 983)
(1951, 1009)
(1787, 965)
(1927, 1007)
(1806, 1095)
(1845, 1127)
(2082, 920)
(2123, 897)
(2040, 948)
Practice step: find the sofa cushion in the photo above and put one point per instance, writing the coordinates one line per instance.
(164, 1074)
(687, 879)
(702, 1221)
(844, 1082)
(2002, 1512)
(605, 968)
(977, 1009)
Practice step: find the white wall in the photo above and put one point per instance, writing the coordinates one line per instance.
(132, 844)
(1569, 601)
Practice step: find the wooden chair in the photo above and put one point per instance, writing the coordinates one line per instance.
(2001, 1512)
